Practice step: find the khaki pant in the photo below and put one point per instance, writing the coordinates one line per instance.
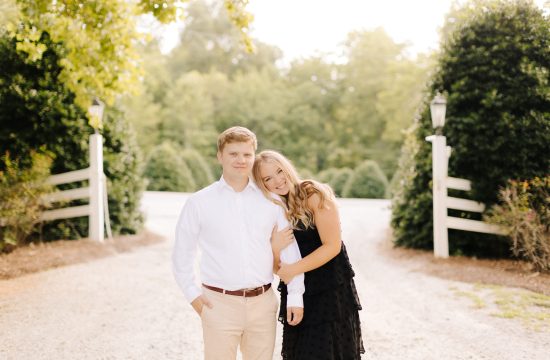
(236, 320)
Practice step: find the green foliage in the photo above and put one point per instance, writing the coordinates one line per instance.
(123, 167)
(99, 38)
(524, 212)
(188, 112)
(367, 181)
(380, 90)
(339, 181)
(21, 190)
(199, 167)
(320, 114)
(494, 68)
(412, 193)
(336, 178)
(167, 171)
(8, 11)
(496, 71)
(37, 110)
(211, 43)
(305, 173)
(326, 175)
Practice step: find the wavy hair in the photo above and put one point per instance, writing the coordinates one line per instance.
(295, 202)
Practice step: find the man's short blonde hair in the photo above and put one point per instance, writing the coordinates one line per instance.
(236, 134)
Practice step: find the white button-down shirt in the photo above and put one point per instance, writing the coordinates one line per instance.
(232, 230)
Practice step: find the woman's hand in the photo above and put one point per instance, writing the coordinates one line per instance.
(281, 239)
(286, 272)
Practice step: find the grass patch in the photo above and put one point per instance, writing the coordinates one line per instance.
(531, 308)
(477, 300)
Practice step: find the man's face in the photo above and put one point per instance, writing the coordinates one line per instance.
(237, 159)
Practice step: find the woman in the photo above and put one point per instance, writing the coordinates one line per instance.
(330, 328)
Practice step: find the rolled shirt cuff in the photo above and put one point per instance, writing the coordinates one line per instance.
(191, 293)
(294, 300)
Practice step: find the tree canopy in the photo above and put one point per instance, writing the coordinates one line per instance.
(494, 69)
(99, 39)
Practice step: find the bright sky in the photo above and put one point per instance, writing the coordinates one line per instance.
(303, 27)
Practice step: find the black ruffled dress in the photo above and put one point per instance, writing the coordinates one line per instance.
(330, 329)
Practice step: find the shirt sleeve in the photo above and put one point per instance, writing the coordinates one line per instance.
(185, 250)
(289, 255)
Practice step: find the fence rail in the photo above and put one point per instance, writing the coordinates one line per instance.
(442, 222)
(69, 177)
(97, 209)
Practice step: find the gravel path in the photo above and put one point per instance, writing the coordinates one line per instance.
(128, 306)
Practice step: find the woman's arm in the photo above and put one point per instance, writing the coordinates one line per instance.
(327, 222)
(279, 241)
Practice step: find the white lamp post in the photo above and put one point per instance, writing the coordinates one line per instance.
(96, 223)
(439, 175)
(95, 111)
(438, 106)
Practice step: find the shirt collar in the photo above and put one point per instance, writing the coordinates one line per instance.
(251, 185)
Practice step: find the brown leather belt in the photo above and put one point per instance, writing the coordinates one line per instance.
(243, 292)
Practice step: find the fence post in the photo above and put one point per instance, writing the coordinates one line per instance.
(96, 220)
(440, 161)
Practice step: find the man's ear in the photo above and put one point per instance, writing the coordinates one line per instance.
(219, 156)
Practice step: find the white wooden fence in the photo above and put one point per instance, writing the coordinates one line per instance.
(96, 192)
(442, 201)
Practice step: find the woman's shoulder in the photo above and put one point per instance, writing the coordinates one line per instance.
(319, 195)
(315, 187)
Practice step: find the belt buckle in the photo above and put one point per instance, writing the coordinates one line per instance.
(246, 290)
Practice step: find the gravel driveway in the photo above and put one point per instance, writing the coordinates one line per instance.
(128, 306)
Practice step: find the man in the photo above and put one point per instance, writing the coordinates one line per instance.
(231, 222)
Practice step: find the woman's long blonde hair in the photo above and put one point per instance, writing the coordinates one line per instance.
(296, 201)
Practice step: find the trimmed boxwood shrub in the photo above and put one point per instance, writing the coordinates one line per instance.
(200, 170)
(167, 171)
(339, 180)
(367, 181)
(326, 175)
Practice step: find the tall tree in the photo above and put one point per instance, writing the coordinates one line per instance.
(210, 42)
(494, 69)
(99, 38)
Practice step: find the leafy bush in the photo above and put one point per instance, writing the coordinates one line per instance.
(37, 110)
(367, 181)
(305, 173)
(336, 178)
(20, 198)
(123, 167)
(326, 175)
(166, 170)
(494, 68)
(412, 195)
(524, 213)
(339, 180)
(200, 170)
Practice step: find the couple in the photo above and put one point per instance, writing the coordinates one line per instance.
(234, 222)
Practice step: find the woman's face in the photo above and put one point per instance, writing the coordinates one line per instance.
(274, 178)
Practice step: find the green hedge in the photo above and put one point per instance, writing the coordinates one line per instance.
(367, 181)
(339, 180)
(200, 170)
(167, 171)
(326, 175)
(36, 110)
(494, 70)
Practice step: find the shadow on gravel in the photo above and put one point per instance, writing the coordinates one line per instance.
(503, 272)
(43, 256)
